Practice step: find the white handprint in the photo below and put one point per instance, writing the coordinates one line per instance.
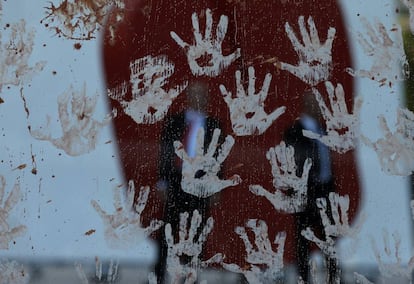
(80, 129)
(207, 48)
(199, 173)
(262, 257)
(389, 268)
(291, 191)
(396, 150)
(335, 226)
(246, 110)
(315, 58)
(123, 229)
(342, 127)
(150, 102)
(178, 264)
(15, 53)
(13, 272)
(385, 54)
(8, 234)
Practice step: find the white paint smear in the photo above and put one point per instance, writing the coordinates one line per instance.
(80, 130)
(199, 173)
(246, 110)
(291, 191)
(123, 229)
(396, 149)
(266, 265)
(342, 127)
(207, 47)
(8, 233)
(188, 245)
(315, 58)
(389, 62)
(150, 102)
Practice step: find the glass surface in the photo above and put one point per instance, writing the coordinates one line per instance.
(95, 162)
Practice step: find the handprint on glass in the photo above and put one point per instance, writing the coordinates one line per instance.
(16, 46)
(200, 173)
(123, 229)
(290, 190)
(246, 110)
(80, 129)
(266, 265)
(342, 127)
(184, 256)
(315, 58)
(388, 267)
(150, 102)
(396, 149)
(8, 233)
(207, 48)
(389, 62)
(336, 225)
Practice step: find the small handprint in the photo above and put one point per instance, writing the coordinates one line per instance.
(392, 268)
(199, 173)
(261, 257)
(207, 48)
(315, 58)
(13, 273)
(291, 190)
(80, 129)
(342, 127)
(150, 102)
(16, 46)
(8, 234)
(111, 274)
(335, 226)
(183, 258)
(396, 150)
(246, 110)
(123, 229)
(385, 53)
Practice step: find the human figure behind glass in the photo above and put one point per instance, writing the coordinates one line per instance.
(320, 182)
(183, 127)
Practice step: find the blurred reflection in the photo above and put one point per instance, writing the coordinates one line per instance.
(320, 181)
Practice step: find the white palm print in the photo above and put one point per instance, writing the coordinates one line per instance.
(207, 47)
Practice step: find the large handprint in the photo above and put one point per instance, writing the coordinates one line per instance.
(150, 102)
(342, 127)
(183, 258)
(261, 257)
(199, 173)
(123, 228)
(396, 150)
(385, 54)
(315, 59)
(291, 191)
(80, 129)
(246, 110)
(207, 49)
(8, 234)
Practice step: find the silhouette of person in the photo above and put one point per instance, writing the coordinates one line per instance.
(320, 182)
(182, 127)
